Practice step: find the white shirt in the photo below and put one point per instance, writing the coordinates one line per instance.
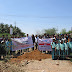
(36, 39)
(66, 46)
(63, 39)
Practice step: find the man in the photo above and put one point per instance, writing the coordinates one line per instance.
(63, 38)
(2, 48)
(27, 35)
(33, 38)
(8, 46)
(66, 48)
(70, 45)
(57, 48)
(53, 49)
(2, 39)
(48, 36)
(36, 41)
(27, 48)
(62, 47)
(3, 36)
(45, 36)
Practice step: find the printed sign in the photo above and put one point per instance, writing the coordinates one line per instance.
(22, 43)
(44, 44)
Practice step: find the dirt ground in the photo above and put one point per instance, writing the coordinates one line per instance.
(35, 62)
(34, 55)
(46, 65)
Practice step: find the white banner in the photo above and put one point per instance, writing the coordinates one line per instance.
(44, 44)
(22, 43)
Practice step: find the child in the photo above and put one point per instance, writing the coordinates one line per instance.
(8, 46)
(53, 49)
(57, 49)
(70, 45)
(2, 50)
(66, 47)
(62, 46)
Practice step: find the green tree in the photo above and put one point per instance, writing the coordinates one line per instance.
(18, 30)
(14, 30)
(11, 26)
(69, 32)
(2, 29)
(63, 31)
(7, 29)
(50, 31)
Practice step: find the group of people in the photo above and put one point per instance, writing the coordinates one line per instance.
(5, 45)
(61, 45)
(61, 48)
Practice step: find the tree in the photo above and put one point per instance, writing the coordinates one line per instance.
(7, 29)
(63, 31)
(50, 31)
(69, 32)
(2, 28)
(11, 26)
(18, 30)
(22, 34)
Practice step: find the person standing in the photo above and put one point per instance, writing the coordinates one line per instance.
(0, 49)
(33, 39)
(3, 49)
(8, 46)
(48, 36)
(3, 39)
(70, 45)
(63, 38)
(62, 47)
(66, 48)
(27, 48)
(57, 49)
(36, 41)
(53, 49)
(45, 36)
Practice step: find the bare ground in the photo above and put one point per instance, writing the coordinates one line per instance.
(46, 65)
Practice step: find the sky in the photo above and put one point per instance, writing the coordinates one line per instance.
(36, 15)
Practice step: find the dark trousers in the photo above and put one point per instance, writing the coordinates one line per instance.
(71, 50)
(0, 56)
(62, 54)
(33, 48)
(57, 53)
(10, 52)
(66, 52)
(36, 45)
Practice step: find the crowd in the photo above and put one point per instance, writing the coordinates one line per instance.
(61, 45)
